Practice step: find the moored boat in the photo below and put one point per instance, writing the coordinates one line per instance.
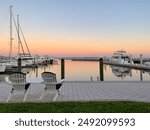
(121, 57)
(2, 67)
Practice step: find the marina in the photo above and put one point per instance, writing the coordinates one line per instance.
(83, 75)
(75, 64)
(120, 83)
(90, 70)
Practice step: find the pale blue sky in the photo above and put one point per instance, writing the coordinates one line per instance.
(98, 16)
(124, 19)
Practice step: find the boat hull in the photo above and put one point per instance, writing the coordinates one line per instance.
(2, 68)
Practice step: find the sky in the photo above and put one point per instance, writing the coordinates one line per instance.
(78, 27)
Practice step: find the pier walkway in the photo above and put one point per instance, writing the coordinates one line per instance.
(132, 66)
(87, 91)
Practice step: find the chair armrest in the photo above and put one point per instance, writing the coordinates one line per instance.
(49, 82)
(61, 81)
(18, 83)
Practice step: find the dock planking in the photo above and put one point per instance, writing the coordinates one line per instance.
(132, 66)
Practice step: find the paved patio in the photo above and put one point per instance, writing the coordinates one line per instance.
(86, 91)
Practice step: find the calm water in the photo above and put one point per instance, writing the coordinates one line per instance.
(84, 70)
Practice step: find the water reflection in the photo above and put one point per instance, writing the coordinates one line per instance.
(121, 72)
(36, 72)
(142, 75)
(86, 71)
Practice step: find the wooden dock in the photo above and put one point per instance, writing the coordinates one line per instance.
(132, 66)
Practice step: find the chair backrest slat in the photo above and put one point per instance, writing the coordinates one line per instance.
(17, 77)
(49, 77)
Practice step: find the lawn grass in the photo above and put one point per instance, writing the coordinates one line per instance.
(76, 107)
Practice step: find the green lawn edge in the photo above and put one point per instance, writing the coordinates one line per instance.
(76, 107)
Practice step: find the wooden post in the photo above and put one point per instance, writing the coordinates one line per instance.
(62, 68)
(141, 60)
(36, 72)
(97, 78)
(34, 61)
(91, 78)
(131, 59)
(19, 65)
(101, 69)
(141, 75)
(51, 61)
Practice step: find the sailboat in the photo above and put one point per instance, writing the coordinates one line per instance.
(26, 58)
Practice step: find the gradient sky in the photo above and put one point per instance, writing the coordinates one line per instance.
(79, 27)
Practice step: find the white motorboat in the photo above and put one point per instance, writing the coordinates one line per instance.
(121, 57)
(26, 59)
(2, 67)
(147, 63)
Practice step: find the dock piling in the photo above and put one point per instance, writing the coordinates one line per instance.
(101, 69)
(62, 68)
(141, 60)
(141, 75)
(91, 78)
(97, 78)
(19, 64)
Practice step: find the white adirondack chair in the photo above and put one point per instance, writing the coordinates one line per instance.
(19, 86)
(51, 84)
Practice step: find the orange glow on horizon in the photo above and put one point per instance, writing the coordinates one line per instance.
(63, 46)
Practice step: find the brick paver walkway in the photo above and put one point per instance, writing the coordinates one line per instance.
(87, 91)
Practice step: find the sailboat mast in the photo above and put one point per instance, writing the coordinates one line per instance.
(18, 36)
(10, 51)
